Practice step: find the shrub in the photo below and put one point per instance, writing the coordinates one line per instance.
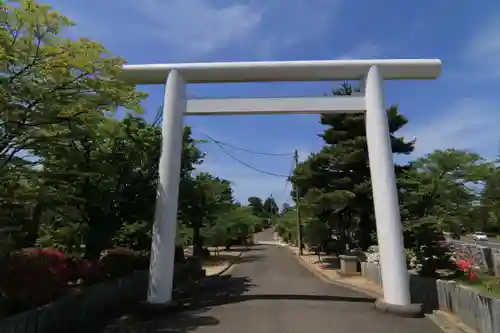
(33, 276)
(89, 272)
(373, 257)
(120, 261)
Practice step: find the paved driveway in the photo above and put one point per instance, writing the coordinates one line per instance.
(269, 291)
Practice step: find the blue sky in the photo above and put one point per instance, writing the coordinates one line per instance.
(459, 110)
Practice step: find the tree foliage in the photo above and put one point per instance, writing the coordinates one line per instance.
(335, 183)
(72, 176)
(449, 190)
(439, 193)
(52, 86)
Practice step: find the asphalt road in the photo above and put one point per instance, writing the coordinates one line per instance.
(494, 244)
(269, 291)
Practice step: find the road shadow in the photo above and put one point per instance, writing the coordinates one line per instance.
(248, 258)
(250, 297)
(212, 292)
(248, 248)
(227, 290)
(190, 314)
(218, 259)
(175, 323)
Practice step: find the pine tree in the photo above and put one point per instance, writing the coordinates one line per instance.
(337, 179)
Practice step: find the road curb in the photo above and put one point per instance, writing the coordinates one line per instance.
(229, 266)
(340, 283)
(440, 318)
(448, 323)
(327, 279)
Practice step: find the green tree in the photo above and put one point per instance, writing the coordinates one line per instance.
(50, 84)
(487, 211)
(257, 206)
(286, 226)
(339, 175)
(444, 184)
(270, 210)
(204, 197)
(54, 91)
(489, 208)
(316, 236)
(232, 226)
(437, 195)
(108, 184)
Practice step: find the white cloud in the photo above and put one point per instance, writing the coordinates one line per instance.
(199, 27)
(189, 30)
(482, 51)
(470, 125)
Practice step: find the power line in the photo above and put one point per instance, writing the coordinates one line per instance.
(246, 164)
(245, 150)
(287, 182)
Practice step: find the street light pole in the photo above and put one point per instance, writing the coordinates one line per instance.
(297, 201)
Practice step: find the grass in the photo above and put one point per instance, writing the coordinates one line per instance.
(488, 284)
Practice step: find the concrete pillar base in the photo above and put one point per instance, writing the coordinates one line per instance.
(349, 265)
(414, 310)
(146, 309)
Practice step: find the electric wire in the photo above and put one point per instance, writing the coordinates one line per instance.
(248, 165)
(245, 150)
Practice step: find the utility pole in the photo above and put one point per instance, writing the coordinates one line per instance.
(297, 201)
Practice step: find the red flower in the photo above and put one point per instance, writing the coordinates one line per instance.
(34, 276)
(467, 266)
(464, 264)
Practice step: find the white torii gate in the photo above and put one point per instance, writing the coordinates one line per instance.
(372, 73)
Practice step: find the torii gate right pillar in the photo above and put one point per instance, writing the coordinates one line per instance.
(395, 277)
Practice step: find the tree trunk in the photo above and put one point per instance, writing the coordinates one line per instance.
(98, 239)
(33, 226)
(197, 241)
(365, 230)
(179, 254)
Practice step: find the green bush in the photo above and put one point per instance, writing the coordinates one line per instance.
(120, 261)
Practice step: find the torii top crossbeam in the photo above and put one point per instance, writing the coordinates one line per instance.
(268, 71)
